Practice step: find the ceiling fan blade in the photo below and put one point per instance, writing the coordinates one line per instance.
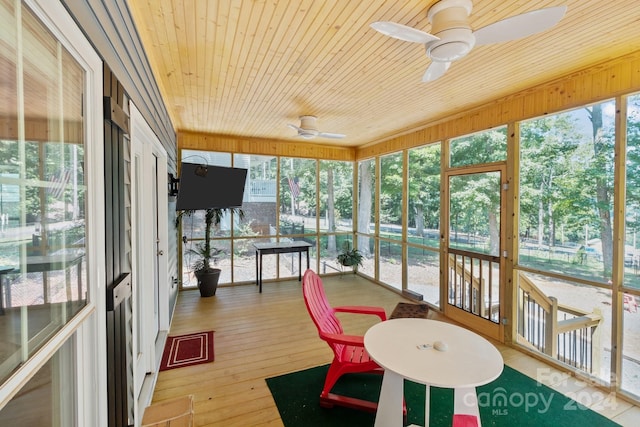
(294, 127)
(402, 32)
(435, 70)
(331, 135)
(520, 26)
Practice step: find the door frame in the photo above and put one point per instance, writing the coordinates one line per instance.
(146, 256)
(483, 326)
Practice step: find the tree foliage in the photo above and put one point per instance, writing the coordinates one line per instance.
(391, 189)
(424, 188)
(566, 180)
(566, 177)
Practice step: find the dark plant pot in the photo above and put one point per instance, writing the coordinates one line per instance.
(208, 281)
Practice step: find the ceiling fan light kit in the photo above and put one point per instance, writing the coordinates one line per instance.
(453, 38)
(454, 44)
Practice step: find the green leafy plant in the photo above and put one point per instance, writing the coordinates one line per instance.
(205, 256)
(205, 251)
(349, 256)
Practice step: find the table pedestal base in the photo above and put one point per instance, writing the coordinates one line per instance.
(466, 403)
(390, 402)
(390, 406)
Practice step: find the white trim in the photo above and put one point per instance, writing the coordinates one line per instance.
(147, 147)
(90, 322)
(163, 235)
(40, 357)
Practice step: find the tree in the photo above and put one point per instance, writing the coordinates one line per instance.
(424, 188)
(547, 148)
(331, 213)
(484, 147)
(336, 201)
(391, 189)
(475, 207)
(365, 200)
(602, 171)
(475, 199)
(301, 172)
(566, 178)
(633, 168)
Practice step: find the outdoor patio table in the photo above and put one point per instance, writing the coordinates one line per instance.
(280, 248)
(405, 349)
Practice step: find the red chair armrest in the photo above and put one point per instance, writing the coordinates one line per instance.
(344, 339)
(362, 309)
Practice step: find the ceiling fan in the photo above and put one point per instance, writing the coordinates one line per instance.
(308, 129)
(453, 38)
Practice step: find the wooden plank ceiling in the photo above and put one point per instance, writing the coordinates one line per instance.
(247, 68)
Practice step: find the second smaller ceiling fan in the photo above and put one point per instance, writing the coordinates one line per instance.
(308, 129)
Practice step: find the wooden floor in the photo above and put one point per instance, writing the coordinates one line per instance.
(258, 336)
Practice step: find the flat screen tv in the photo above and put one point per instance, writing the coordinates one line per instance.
(205, 187)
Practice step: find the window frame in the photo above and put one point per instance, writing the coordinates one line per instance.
(88, 327)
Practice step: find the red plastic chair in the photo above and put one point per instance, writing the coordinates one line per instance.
(349, 354)
(465, 420)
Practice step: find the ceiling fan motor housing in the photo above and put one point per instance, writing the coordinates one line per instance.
(450, 22)
(308, 123)
(308, 127)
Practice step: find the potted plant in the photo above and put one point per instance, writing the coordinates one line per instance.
(349, 256)
(206, 274)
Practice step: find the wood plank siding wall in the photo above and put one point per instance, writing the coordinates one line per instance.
(617, 77)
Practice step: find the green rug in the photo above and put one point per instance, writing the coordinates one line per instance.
(512, 400)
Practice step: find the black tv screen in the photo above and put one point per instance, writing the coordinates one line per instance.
(205, 186)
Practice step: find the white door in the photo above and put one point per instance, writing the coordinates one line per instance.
(149, 246)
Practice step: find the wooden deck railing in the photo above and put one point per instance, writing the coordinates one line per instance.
(566, 333)
(474, 283)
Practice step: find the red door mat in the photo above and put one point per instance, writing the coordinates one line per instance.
(187, 350)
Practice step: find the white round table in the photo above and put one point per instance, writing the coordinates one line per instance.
(405, 349)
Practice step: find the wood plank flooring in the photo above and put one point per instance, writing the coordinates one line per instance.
(258, 336)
